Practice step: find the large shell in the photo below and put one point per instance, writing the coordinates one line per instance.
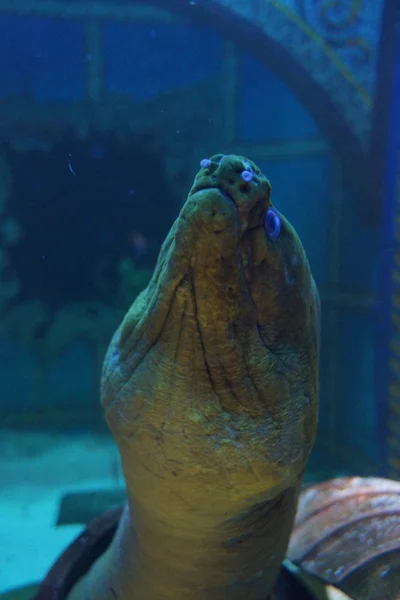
(347, 533)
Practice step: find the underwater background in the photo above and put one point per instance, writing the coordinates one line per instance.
(106, 109)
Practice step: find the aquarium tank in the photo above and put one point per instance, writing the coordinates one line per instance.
(199, 299)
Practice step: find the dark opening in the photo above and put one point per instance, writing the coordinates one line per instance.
(82, 206)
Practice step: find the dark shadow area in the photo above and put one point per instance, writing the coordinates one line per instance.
(82, 206)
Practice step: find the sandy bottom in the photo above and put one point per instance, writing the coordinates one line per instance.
(36, 470)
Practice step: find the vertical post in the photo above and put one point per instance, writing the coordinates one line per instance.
(336, 219)
(229, 84)
(372, 200)
(94, 61)
(388, 334)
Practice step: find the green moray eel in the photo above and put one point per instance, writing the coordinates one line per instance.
(210, 389)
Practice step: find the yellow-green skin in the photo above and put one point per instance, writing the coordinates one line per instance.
(210, 389)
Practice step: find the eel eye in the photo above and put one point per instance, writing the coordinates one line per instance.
(272, 223)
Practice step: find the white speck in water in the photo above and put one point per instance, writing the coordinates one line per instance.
(70, 166)
(329, 573)
(177, 131)
(192, 2)
(338, 571)
(384, 572)
(88, 57)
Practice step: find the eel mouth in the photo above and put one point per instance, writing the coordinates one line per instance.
(204, 187)
(240, 181)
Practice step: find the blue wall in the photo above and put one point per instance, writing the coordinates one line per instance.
(268, 110)
(47, 60)
(42, 59)
(146, 60)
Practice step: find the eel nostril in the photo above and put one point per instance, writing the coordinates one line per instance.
(247, 175)
(205, 163)
(208, 164)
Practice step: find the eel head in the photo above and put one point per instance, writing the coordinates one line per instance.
(210, 384)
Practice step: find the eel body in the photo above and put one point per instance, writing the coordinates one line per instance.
(210, 388)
